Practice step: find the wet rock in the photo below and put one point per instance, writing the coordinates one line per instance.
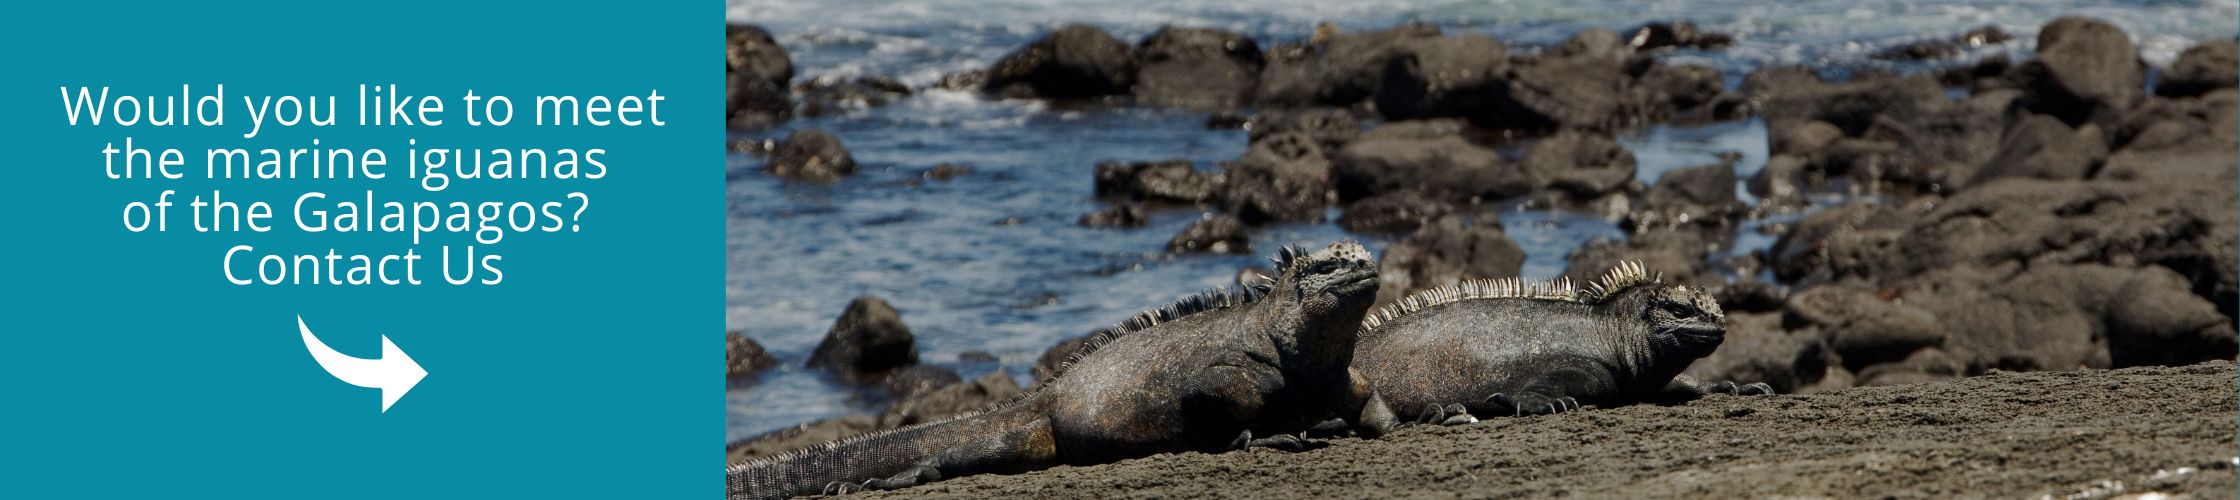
(946, 171)
(1980, 37)
(1839, 242)
(1751, 295)
(977, 356)
(1212, 234)
(1330, 128)
(867, 344)
(917, 380)
(1336, 69)
(743, 358)
(2086, 70)
(2042, 147)
(1073, 63)
(811, 155)
(1684, 86)
(1805, 138)
(1757, 349)
(1169, 181)
(1681, 256)
(1127, 215)
(757, 73)
(1398, 212)
(1583, 164)
(1654, 36)
(1579, 92)
(1445, 252)
(1430, 157)
(2158, 320)
(963, 81)
(1197, 68)
(1790, 97)
(1283, 177)
(1779, 179)
(1057, 356)
(1227, 120)
(827, 96)
(1442, 77)
(948, 401)
(2203, 68)
(1690, 198)
(1863, 327)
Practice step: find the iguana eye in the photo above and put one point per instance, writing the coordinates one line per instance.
(1325, 267)
(1680, 311)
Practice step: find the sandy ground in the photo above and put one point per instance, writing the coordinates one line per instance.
(2086, 434)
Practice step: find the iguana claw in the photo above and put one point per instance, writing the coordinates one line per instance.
(1529, 403)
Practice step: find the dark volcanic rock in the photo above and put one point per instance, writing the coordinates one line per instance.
(867, 344)
(811, 155)
(1446, 252)
(1057, 356)
(1335, 69)
(1838, 242)
(1695, 197)
(1788, 97)
(2044, 148)
(947, 171)
(1172, 180)
(743, 358)
(756, 76)
(1283, 177)
(1757, 349)
(1586, 91)
(1331, 127)
(1122, 215)
(1074, 62)
(1398, 212)
(1583, 164)
(1863, 327)
(1430, 157)
(2209, 66)
(1654, 36)
(1681, 256)
(1212, 234)
(1684, 86)
(2086, 70)
(949, 400)
(1942, 48)
(1442, 77)
(1197, 68)
(826, 96)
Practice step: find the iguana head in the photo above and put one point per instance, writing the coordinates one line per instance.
(1684, 323)
(1326, 293)
(1337, 280)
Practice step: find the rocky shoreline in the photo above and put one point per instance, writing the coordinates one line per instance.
(2051, 213)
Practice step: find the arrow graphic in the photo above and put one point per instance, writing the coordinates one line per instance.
(394, 373)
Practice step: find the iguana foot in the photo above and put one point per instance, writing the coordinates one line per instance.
(1749, 389)
(915, 476)
(1454, 414)
(1285, 442)
(1530, 403)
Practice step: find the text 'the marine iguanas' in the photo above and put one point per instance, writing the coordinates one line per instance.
(1510, 347)
(1206, 374)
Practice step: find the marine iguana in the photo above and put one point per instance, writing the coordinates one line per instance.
(1511, 347)
(1208, 373)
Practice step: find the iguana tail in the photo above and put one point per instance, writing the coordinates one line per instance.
(965, 444)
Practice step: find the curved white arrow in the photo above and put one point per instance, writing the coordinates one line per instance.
(394, 373)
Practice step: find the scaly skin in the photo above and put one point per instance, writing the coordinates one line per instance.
(1505, 347)
(1209, 374)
